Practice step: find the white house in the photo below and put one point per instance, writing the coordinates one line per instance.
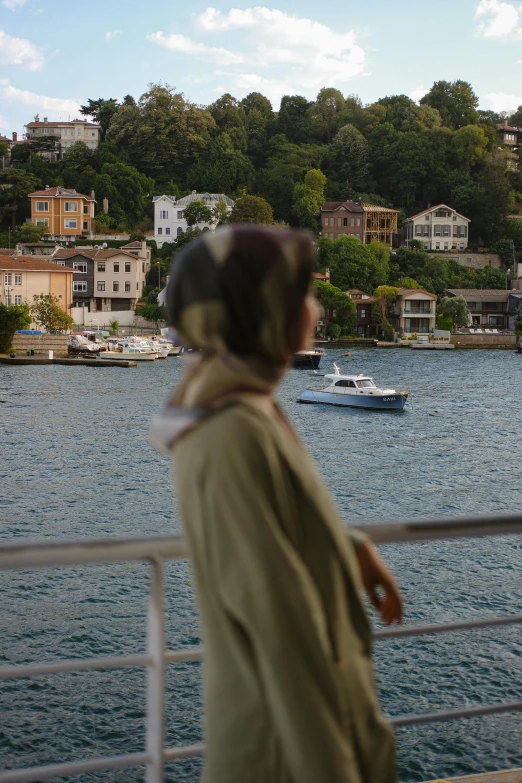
(438, 228)
(168, 214)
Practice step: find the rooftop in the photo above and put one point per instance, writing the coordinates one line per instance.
(376, 208)
(408, 291)
(58, 192)
(208, 198)
(432, 209)
(30, 264)
(333, 206)
(46, 124)
(480, 294)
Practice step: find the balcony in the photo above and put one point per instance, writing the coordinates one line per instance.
(157, 551)
(418, 310)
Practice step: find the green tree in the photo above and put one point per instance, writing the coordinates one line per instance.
(455, 101)
(498, 198)
(197, 212)
(127, 191)
(385, 297)
(15, 185)
(292, 119)
(46, 312)
(349, 158)
(516, 118)
(470, 145)
(308, 199)
(325, 113)
(101, 110)
(220, 213)
(455, 308)
(352, 264)
(251, 209)
(29, 232)
(12, 318)
(338, 306)
(77, 168)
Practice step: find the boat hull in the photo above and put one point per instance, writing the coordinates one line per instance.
(383, 402)
(307, 361)
(131, 356)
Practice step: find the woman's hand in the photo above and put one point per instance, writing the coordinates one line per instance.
(380, 583)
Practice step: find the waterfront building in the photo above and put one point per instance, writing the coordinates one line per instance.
(486, 307)
(169, 221)
(67, 214)
(414, 311)
(363, 303)
(438, 228)
(23, 277)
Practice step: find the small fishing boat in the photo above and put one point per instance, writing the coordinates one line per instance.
(307, 359)
(125, 350)
(354, 391)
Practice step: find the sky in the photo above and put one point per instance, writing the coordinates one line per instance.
(55, 54)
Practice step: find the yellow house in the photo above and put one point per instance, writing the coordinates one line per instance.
(66, 213)
(23, 277)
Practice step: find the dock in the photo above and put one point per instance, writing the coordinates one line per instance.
(507, 776)
(71, 362)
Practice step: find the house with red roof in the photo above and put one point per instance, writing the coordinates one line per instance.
(438, 228)
(68, 215)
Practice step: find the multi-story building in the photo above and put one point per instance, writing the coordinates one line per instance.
(486, 307)
(363, 304)
(66, 213)
(65, 133)
(510, 136)
(81, 262)
(414, 311)
(23, 277)
(342, 217)
(380, 224)
(438, 228)
(169, 221)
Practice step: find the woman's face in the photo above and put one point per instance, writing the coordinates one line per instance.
(309, 320)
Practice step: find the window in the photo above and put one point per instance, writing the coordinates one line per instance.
(338, 221)
(332, 236)
(7, 278)
(326, 221)
(164, 214)
(80, 266)
(42, 222)
(363, 313)
(437, 231)
(71, 206)
(352, 222)
(8, 300)
(60, 262)
(101, 266)
(160, 230)
(344, 384)
(18, 278)
(86, 224)
(70, 223)
(167, 230)
(85, 209)
(101, 285)
(18, 300)
(426, 231)
(180, 231)
(447, 231)
(80, 286)
(42, 206)
(437, 245)
(137, 287)
(115, 286)
(127, 285)
(180, 215)
(127, 267)
(357, 221)
(45, 130)
(446, 246)
(418, 231)
(116, 266)
(143, 267)
(345, 221)
(427, 217)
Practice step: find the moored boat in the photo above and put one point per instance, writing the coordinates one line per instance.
(307, 359)
(354, 391)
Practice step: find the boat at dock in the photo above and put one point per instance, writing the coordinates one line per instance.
(354, 391)
(125, 350)
(307, 359)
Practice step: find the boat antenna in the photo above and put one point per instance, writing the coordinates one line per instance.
(336, 368)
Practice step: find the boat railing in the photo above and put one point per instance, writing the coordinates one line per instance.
(160, 549)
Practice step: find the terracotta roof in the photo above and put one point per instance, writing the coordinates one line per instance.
(4, 138)
(376, 208)
(503, 127)
(408, 291)
(58, 192)
(319, 276)
(97, 253)
(61, 124)
(71, 252)
(333, 206)
(136, 244)
(30, 264)
(480, 294)
(110, 252)
(437, 206)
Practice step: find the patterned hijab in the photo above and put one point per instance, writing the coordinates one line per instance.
(236, 295)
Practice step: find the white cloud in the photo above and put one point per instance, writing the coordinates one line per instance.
(418, 93)
(500, 101)
(500, 20)
(110, 35)
(281, 53)
(185, 45)
(13, 4)
(40, 102)
(20, 51)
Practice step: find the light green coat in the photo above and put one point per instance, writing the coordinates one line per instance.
(288, 681)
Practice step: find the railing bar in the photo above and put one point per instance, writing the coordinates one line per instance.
(191, 654)
(35, 774)
(418, 630)
(186, 752)
(86, 664)
(156, 673)
(43, 554)
(468, 712)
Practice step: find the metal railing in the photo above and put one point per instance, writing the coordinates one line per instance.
(159, 549)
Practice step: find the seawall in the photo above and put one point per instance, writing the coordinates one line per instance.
(42, 343)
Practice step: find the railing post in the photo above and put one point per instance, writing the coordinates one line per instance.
(156, 674)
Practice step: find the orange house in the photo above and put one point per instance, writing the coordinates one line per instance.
(66, 213)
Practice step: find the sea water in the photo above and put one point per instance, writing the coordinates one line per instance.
(76, 463)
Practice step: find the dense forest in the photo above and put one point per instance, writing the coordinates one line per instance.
(393, 152)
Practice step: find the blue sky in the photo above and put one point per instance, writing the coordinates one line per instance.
(54, 54)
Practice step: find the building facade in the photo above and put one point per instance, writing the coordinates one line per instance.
(169, 221)
(380, 224)
(66, 214)
(82, 265)
(363, 303)
(414, 311)
(65, 133)
(23, 277)
(438, 228)
(342, 217)
(510, 136)
(486, 307)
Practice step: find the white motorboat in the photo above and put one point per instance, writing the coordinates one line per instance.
(125, 350)
(354, 391)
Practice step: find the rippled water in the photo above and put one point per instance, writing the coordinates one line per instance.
(76, 463)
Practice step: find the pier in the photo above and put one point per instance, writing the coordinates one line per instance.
(70, 362)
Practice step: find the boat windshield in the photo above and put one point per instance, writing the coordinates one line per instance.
(366, 383)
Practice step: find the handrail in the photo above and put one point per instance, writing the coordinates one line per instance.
(156, 550)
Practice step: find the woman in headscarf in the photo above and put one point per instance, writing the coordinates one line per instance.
(288, 682)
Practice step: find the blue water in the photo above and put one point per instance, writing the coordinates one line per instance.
(76, 463)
